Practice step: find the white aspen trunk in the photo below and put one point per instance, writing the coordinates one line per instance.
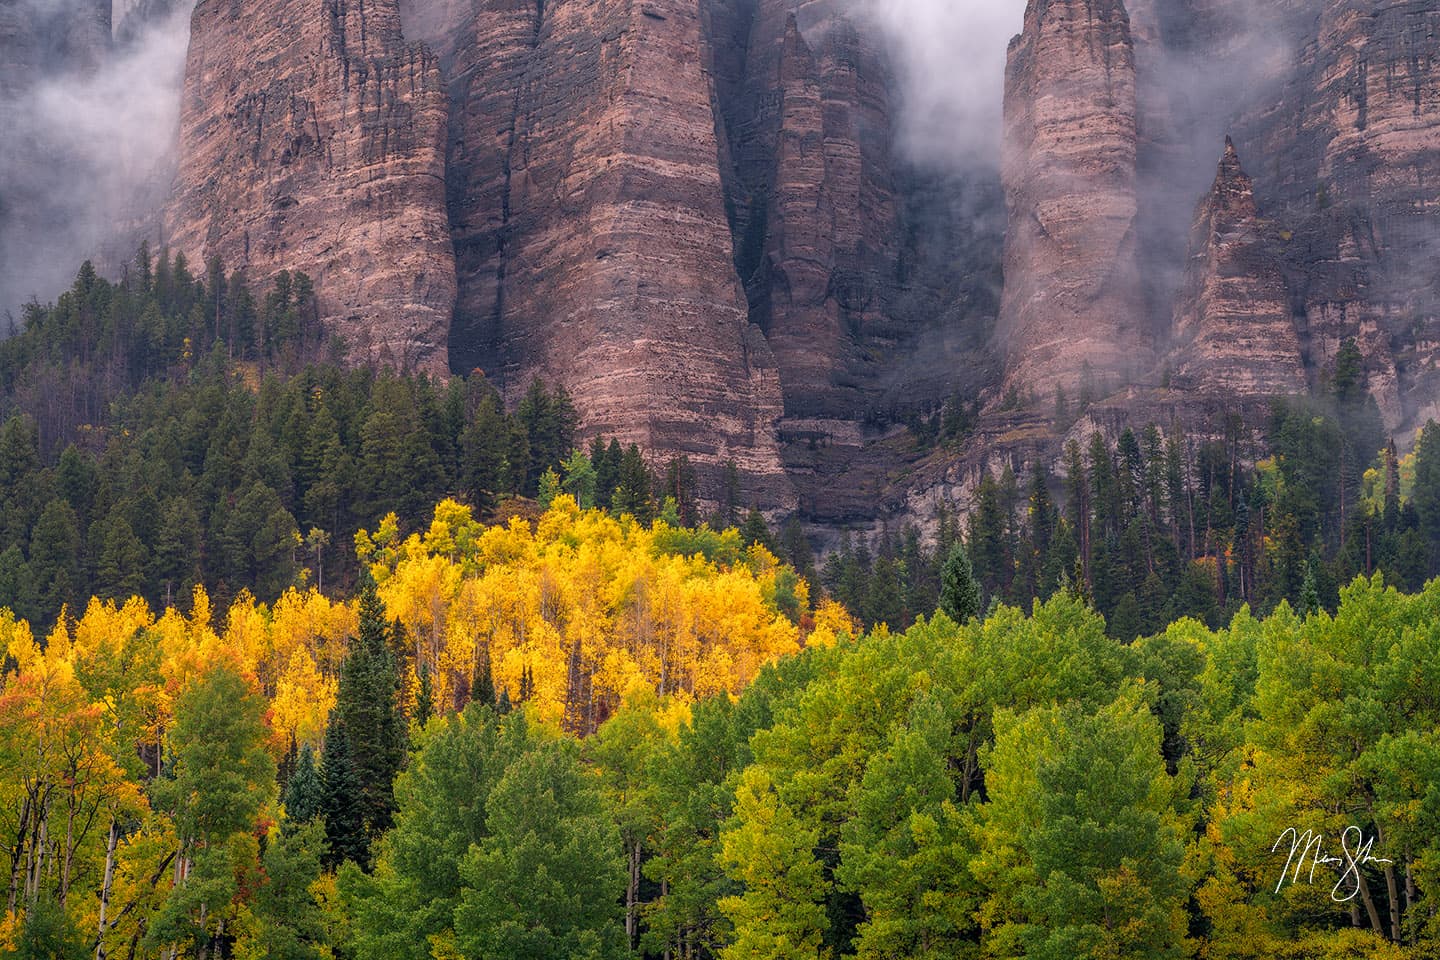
(106, 880)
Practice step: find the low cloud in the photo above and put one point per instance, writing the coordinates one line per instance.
(86, 149)
(949, 58)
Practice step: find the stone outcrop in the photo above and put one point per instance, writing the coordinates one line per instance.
(1348, 156)
(619, 279)
(1073, 305)
(1233, 322)
(312, 138)
(812, 191)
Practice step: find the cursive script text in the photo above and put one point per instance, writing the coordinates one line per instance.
(1354, 854)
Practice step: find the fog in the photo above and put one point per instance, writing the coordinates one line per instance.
(949, 58)
(87, 139)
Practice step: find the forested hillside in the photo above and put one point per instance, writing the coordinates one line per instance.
(302, 662)
(168, 431)
(407, 774)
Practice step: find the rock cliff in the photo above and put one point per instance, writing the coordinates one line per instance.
(1073, 306)
(312, 137)
(1349, 155)
(1233, 320)
(694, 214)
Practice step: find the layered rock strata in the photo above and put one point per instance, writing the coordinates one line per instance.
(312, 138)
(813, 197)
(618, 279)
(1233, 319)
(1348, 156)
(1073, 305)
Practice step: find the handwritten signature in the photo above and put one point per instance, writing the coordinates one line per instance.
(1354, 854)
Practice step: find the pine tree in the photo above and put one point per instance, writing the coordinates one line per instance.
(482, 683)
(632, 492)
(424, 699)
(369, 712)
(55, 557)
(959, 590)
(1309, 592)
(305, 792)
(756, 531)
(341, 802)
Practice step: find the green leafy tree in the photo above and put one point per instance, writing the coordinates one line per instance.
(1074, 869)
(288, 922)
(906, 853)
(781, 915)
(223, 776)
(47, 933)
(410, 900)
(580, 479)
(547, 880)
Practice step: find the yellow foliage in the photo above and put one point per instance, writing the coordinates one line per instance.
(581, 607)
(832, 622)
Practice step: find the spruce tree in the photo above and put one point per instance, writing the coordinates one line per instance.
(959, 590)
(756, 531)
(305, 793)
(369, 712)
(482, 683)
(341, 801)
(424, 699)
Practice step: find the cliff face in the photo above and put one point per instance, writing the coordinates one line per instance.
(1233, 318)
(1073, 304)
(687, 213)
(1336, 103)
(812, 193)
(619, 278)
(312, 138)
(693, 214)
(1349, 155)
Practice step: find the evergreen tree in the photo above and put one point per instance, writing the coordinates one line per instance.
(424, 699)
(795, 547)
(482, 684)
(55, 557)
(1426, 496)
(305, 791)
(680, 483)
(342, 800)
(756, 531)
(120, 568)
(959, 590)
(632, 492)
(367, 706)
(607, 461)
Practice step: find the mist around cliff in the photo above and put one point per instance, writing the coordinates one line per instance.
(949, 58)
(84, 151)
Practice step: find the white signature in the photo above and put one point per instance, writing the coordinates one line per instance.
(1354, 854)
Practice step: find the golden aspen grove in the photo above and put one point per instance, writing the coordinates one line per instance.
(576, 735)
